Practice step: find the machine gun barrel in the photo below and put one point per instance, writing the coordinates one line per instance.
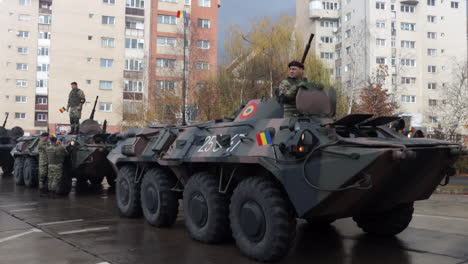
(104, 127)
(94, 109)
(306, 51)
(6, 119)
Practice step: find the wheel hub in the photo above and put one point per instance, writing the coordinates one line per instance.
(152, 201)
(252, 221)
(124, 191)
(198, 209)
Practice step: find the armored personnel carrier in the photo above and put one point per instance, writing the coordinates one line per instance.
(86, 159)
(7, 142)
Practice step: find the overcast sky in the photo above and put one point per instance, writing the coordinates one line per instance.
(243, 12)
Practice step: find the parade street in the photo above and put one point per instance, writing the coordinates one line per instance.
(86, 228)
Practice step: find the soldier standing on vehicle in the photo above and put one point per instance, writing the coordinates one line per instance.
(43, 164)
(76, 99)
(55, 156)
(289, 87)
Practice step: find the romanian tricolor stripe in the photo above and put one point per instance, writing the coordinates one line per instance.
(181, 14)
(264, 138)
(63, 109)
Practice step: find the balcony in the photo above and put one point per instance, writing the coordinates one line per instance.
(409, 2)
(45, 11)
(41, 107)
(134, 11)
(133, 74)
(316, 11)
(40, 123)
(135, 32)
(132, 96)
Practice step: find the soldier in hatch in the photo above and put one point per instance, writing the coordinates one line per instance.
(76, 99)
(288, 88)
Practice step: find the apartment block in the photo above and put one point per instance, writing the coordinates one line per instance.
(125, 52)
(418, 40)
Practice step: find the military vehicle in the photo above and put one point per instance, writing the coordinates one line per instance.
(86, 159)
(7, 142)
(251, 177)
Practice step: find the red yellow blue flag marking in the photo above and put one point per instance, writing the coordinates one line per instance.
(248, 111)
(264, 138)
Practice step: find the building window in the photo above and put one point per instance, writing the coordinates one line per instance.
(131, 43)
(42, 83)
(167, 41)
(136, 3)
(204, 3)
(431, 2)
(108, 20)
(44, 35)
(432, 102)
(338, 71)
(431, 68)
(431, 35)
(408, 26)
(105, 85)
(381, 42)
(24, 18)
(330, 6)
(23, 34)
(454, 4)
(105, 107)
(381, 60)
(433, 119)
(408, 62)
(204, 23)
(21, 83)
(407, 9)
(165, 85)
(408, 98)
(23, 50)
(25, 2)
(165, 63)
(202, 65)
(43, 67)
(108, 42)
(43, 51)
(408, 80)
(133, 86)
(107, 63)
(326, 55)
(41, 100)
(380, 5)
(326, 39)
(408, 44)
(165, 19)
(134, 65)
(432, 86)
(188, 2)
(431, 52)
(431, 19)
(20, 115)
(203, 44)
(328, 24)
(20, 99)
(41, 116)
(45, 19)
(348, 50)
(169, 1)
(112, 2)
(22, 66)
(380, 24)
(347, 17)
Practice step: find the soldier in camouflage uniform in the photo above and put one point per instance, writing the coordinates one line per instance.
(76, 99)
(288, 88)
(43, 164)
(56, 156)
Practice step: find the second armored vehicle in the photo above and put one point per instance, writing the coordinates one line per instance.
(7, 142)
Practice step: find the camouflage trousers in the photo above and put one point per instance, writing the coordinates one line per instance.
(54, 175)
(43, 176)
(290, 110)
(75, 116)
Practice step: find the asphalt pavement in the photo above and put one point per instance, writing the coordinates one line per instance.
(86, 228)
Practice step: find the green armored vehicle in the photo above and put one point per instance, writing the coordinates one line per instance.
(7, 142)
(86, 157)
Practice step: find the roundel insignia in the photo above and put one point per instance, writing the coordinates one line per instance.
(248, 111)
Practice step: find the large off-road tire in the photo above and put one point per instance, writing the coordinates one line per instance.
(8, 166)
(388, 223)
(263, 221)
(31, 172)
(206, 210)
(97, 180)
(18, 170)
(128, 192)
(65, 184)
(159, 203)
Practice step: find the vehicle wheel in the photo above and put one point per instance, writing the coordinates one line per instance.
(30, 172)
(65, 184)
(110, 178)
(388, 223)
(206, 209)
(8, 166)
(97, 180)
(128, 192)
(159, 203)
(18, 170)
(263, 222)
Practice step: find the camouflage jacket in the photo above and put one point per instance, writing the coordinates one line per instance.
(56, 154)
(287, 92)
(43, 144)
(76, 98)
